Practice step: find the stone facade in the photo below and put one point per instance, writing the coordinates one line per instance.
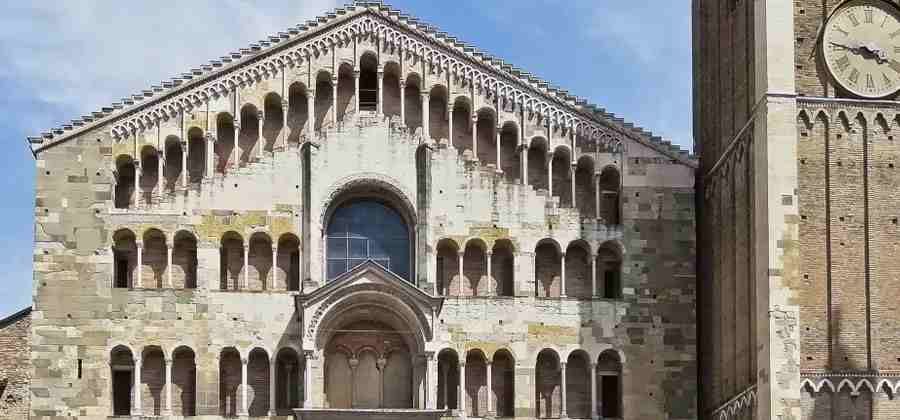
(183, 265)
(15, 365)
(804, 171)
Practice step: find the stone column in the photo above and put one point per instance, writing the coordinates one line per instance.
(285, 111)
(461, 400)
(490, 396)
(311, 113)
(274, 269)
(431, 381)
(597, 194)
(490, 275)
(594, 391)
(563, 413)
(459, 285)
(136, 188)
(246, 267)
(381, 363)
(594, 276)
(380, 97)
(237, 137)
(168, 409)
(244, 408)
(524, 166)
(550, 173)
(475, 134)
(137, 283)
(160, 166)
(273, 388)
(356, 89)
(450, 123)
(572, 179)
(426, 117)
(307, 379)
(169, 282)
(210, 161)
(403, 103)
(136, 389)
(445, 372)
(562, 275)
(184, 163)
(260, 141)
(354, 364)
(497, 162)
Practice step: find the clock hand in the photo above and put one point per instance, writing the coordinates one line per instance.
(852, 48)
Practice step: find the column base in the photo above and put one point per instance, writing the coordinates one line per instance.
(165, 413)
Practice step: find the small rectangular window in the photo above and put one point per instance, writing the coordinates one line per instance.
(121, 273)
(79, 369)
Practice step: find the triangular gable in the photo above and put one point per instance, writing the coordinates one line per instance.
(266, 57)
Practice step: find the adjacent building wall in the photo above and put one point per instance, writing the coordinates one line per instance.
(15, 365)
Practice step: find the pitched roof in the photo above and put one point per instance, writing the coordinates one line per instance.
(467, 60)
(15, 317)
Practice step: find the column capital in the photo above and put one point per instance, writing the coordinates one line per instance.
(356, 73)
(310, 355)
(260, 115)
(402, 83)
(381, 363)
(169, 361)
(428, 355)
(354, 363)
(285, 103)
(310, 94)
(139, 243)
(562, 365)
(593, 366)
(462, 365)
(210, 137)
(475, 117)
(461, 253)
(244, 361)
(489, 253)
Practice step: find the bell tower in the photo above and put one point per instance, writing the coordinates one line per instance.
(796, 115)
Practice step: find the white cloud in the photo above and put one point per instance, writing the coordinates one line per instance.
(72, 55)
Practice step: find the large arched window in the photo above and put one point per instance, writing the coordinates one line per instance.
(367, 230)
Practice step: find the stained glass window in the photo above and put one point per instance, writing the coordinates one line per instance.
(367, 230)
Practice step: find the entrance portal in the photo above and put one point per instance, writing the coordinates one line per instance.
(368, 365)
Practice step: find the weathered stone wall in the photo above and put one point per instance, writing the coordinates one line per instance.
(15, 365)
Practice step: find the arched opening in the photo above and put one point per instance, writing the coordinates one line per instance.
(274, 120)
(368, 229)
(121, 364)
(249, 135)
(438, 126)
(155, 259)
(447, 268)
(462, 126)
(547, 385)
(382, 377)
(609, 272)
(229, 382)
(153, 380)
(172, 169)
(368, 82)
(184, 261)
(413, 102)
(258, 381)
(609, 185)
(578, 385)
(585, 188)
(537, 164)
(323, 102)
(184, 382)
(298, 112)
(487, 136)
(346, 91)
(391, 106)
(562, 176)
(260, 260)
(609, 385)
(231, 257)
(225, 144)
(503, 374)
(502, 267)
(475, 268)
(149, 173)
(287, 276)
(124, 259)
(476, 392)
(509, 156)
(578, 270)
(547, 269)
(288, 381)
(196, 155)
(448, 380)
(125, 174)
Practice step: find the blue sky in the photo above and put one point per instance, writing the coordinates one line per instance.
(65, 59)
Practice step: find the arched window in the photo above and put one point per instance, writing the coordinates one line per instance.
(124, 259)
(367, 230)
(609, 196)
(447, 268)
(609, 384)
(121, 363)
(609, 272)
(437, 114)
(368, 82)
(562, 176)
(448, 380)
(172, 170)
(346, 91)
(125, 174)
(196, 155)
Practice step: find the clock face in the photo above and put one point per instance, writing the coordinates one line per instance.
(861, 45)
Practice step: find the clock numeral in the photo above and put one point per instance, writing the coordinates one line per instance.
(895, 34)
(852, 17)
(870, 15)
(886, 80)
(854, 76)
(841, 30)
(895, 65)
(842, 63)
(870, 82)
(897, 50)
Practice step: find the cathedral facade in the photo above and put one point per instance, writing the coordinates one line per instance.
(796, 121)
(361, 212)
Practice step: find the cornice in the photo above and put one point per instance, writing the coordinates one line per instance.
(291, 48)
